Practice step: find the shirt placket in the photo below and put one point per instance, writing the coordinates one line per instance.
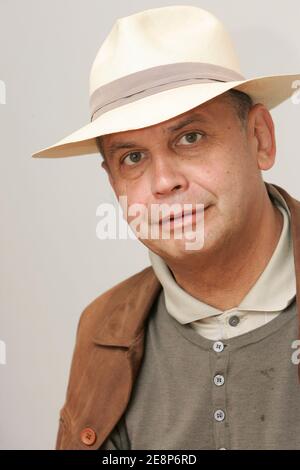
(219, 376)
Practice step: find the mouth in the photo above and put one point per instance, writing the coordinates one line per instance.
(182, 217)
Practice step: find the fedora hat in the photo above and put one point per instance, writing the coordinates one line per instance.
(157, 64)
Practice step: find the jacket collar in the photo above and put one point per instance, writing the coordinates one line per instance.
(294, 207)
(127, 308)
(129, 303)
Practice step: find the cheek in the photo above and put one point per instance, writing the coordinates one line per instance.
(225, 175)
(225, 184)
(210, 176)
(136, 199)
(229, 171)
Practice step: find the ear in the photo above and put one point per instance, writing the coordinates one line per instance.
(106, 168)
(262, 136)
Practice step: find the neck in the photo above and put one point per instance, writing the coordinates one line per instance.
(224, 278)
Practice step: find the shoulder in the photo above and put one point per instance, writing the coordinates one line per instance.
(91, 364)
(96, 314)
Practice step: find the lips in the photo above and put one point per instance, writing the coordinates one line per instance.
(180, 215)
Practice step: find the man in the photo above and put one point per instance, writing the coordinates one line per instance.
(195, 351)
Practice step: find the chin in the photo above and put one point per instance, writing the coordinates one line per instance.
(212, 242)
(176, 249)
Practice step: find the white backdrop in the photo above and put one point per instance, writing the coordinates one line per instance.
(52, 263)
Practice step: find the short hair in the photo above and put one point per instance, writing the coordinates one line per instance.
(240, 100)
(242, 103)
(100, 146)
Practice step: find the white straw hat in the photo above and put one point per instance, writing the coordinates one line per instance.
(157, 64)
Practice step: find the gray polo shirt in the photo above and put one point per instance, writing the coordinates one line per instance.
(195, 393)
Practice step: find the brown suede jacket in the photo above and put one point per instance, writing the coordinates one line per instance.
(109, 350)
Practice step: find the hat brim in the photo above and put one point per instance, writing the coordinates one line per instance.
(159, 107)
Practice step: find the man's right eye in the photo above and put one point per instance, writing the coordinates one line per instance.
(133, 157)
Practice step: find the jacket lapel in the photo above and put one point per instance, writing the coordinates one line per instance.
(294, 206)
(103, 370)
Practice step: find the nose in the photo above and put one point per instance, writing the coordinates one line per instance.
(167, 175)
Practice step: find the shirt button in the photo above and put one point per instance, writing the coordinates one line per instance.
(234, 320)
(219, 415)
(219, 380)
(88, 436)
(218, 346)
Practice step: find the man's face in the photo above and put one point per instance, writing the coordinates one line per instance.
(204, 156)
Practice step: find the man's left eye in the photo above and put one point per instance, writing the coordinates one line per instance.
(191, 137)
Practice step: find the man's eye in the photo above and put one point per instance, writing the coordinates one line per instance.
(191, 137)
(135, 157)
(132, 158)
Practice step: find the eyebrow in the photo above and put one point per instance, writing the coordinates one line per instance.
(117, 145)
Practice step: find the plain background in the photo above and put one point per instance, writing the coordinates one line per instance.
(52, 263)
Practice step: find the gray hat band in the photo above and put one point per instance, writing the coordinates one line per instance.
(155, 79)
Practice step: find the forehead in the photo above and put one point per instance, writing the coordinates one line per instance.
(209, 113)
